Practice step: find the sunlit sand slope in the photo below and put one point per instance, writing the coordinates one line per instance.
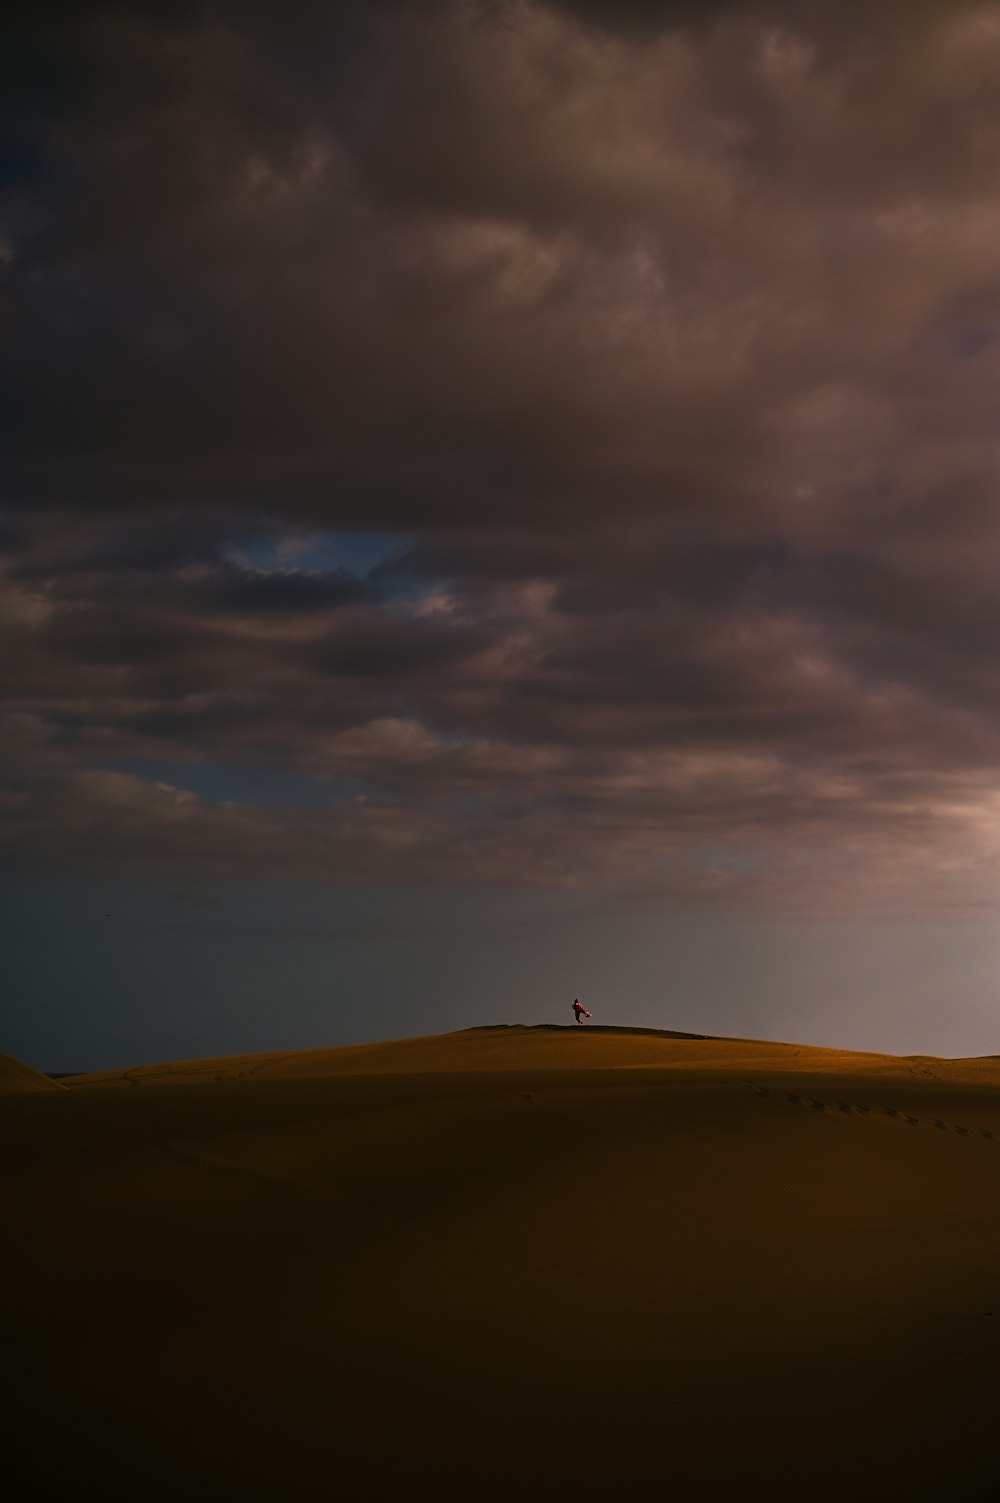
(542, 1047)
(17, 1077)
(529, 1263)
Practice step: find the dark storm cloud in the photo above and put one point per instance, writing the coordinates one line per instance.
(381, 646)
(287, 590)
(666, 336)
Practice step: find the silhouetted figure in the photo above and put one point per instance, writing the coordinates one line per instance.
(579, 1008)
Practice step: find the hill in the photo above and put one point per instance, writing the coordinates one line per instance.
(15, 1077)
(549, 1262)
(515, 1047)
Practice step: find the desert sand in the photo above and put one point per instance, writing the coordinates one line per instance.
(506, 1263)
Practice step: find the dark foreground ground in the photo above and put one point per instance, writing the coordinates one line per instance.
(506, 1263)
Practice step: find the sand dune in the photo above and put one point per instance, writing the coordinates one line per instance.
(547, 1262)
(539, 1047)
(15, 1077)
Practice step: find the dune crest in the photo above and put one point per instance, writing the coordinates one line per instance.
(506, 1047)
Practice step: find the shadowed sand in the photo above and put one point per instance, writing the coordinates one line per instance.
(541, 1261)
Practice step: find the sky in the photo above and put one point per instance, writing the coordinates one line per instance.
(499, 503)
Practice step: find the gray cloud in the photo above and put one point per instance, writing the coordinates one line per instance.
(663, 339)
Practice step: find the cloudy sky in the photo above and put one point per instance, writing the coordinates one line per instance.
(500, 498)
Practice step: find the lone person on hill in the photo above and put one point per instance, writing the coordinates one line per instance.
(579, 1008)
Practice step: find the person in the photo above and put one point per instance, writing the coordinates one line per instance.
(579, 1008)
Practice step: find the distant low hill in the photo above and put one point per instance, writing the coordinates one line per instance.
(17, 1077)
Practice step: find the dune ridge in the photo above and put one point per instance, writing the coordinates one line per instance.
(550, 1261)
(518, 1046)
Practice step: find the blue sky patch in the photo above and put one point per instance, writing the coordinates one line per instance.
(322, 551)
